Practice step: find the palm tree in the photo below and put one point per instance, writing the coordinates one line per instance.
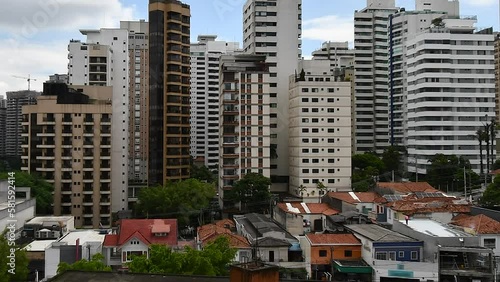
(493, 136)
(321, 190)
(300, 190)
(480, 136)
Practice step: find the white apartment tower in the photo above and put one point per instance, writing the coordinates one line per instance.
(451, 91)
(404, 25)
(205, 57)
(274, 28)
(370, 76)
(244, 136)
(320, 131)
(138, 53)
(339, 55)
(104, 61)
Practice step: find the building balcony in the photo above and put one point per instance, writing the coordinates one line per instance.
(45, 157)
(105, 180)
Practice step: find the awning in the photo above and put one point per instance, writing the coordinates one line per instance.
(357, 266)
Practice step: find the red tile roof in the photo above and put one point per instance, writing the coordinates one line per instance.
(235, 241)
(209, 230)
(225, 223)
(407, 187)
(314, 208)
(495, 172)
(412, 205)
(479, 224)
(333, 239)
(359, 197)
(143, 230)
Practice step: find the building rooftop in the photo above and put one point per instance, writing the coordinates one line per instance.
(38, 245)
(307, 208)
(357, 197)
(259, 224)
(44, 220)
(83, 235)
(226, 223)
(209, 230)
(235, 241)
(407, 187)
(272, 242)
(412, 205)
(333, 239)
(434, 228)
(144, 230)
(378, 233)
(478, 224)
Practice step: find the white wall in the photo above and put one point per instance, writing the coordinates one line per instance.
(51, 261)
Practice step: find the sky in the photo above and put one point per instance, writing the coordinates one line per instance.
(34, 34)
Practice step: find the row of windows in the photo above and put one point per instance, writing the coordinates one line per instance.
(316, 110)
(316, 100)
(316, 170)
(306, 181)
(315, 90)
(316, 120)
(316, 161)
(316, 140)
(392, 255)
(330, 150)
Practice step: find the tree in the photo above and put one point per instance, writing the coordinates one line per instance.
(444, 169)
(301, 189)
(40, 189)
(491, 196)
(252, 191)
(20, 266)
(438, 22)
(391, 159)
(321, 190)
(481, 136)
(368, 159)
(179, 200)
(212, 260)
(202, 173)
(95, 264)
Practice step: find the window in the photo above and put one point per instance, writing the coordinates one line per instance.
(347, 253)
(322, 253)
(381, 255)
(490, 243)
(304, 170)
(392, 255)
(401, 254)
(414, 255)
(127, 256)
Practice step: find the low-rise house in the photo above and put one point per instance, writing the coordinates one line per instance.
(48, 227)
(435, 206)
(362, 202)
(486, 228)
(134, 236)
(390, 253)
(72, 247)
(300, 218)
(210, 232)
(321, 250)
(457, 253)
(404, 188)
(35, 252)
(275, 244)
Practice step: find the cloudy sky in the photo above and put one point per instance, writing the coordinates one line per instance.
(34, 34)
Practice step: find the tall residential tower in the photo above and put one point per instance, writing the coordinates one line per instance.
(169, 76)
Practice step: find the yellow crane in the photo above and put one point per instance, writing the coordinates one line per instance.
(29, 79)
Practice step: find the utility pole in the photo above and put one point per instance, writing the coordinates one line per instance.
(392, 175)
(416, 168)
(465, 185)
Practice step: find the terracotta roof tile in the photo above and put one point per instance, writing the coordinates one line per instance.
(335, 239)
(407, 187)
(357, 197)
(142, 229)
(412, 205)
(235, 241)
(225, 223)
(209, 230)
(314, 208)
(479, 224)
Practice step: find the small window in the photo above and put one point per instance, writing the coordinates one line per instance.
(322, 253)
(381, 255)
(401, 254)
(490, 243)
(392, 255)
(347, 253)
(414, 255)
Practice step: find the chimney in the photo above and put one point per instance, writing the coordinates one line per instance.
(254, 271)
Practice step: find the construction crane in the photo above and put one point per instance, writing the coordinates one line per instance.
(29, 79)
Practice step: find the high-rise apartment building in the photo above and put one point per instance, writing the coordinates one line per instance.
(169, 107)
(104, 61)
(320, 131)
(274, 29)
(497, 77)
(205, 57)
(244, 141)
(404, 25)
(67, 140)
(3, 126)
(138, 129)
(451, 91)
(14, 115)
(338, 53)
(370, 76)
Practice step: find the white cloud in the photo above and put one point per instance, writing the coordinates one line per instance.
(479, 3)
(329, 28)
(26, 18)
(37, 60)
